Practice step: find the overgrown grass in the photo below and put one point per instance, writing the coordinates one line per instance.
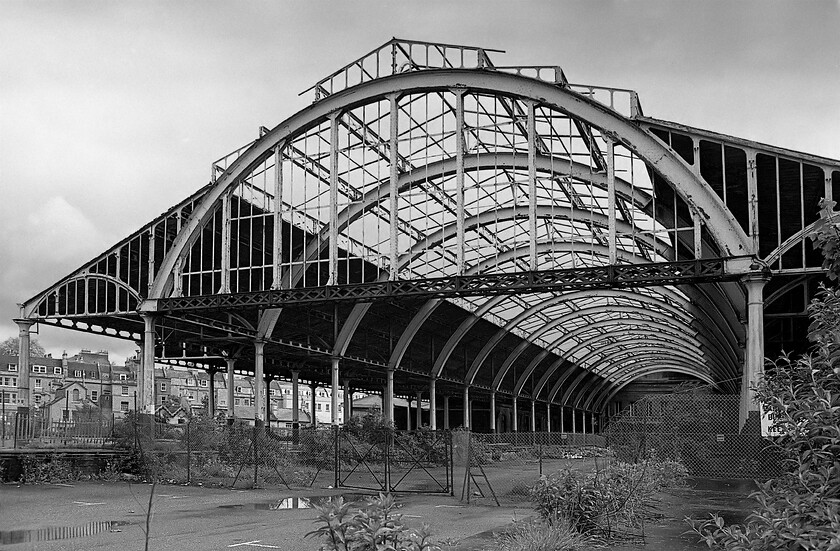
(541, 535)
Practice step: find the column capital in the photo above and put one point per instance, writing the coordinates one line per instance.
(24, 323)
(762, 276)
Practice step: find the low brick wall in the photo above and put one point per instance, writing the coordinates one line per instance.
(82, 461)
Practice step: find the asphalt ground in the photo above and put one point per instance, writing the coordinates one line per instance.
(99, 516)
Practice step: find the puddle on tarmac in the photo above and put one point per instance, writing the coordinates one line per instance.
(9, 537)
(293, 502)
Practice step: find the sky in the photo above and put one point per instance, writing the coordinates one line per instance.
(111, 112)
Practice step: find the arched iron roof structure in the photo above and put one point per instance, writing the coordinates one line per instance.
(435, 219)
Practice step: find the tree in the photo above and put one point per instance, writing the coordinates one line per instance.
(11, 347)
(801, 508)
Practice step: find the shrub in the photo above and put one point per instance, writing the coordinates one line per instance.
(619, 495)
(372, 527)
(801, 508)
(541, 535)
(39, 469)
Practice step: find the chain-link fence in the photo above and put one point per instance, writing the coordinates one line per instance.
(504, 467)
(206, 452)
(698, 429)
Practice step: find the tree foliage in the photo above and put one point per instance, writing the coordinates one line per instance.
(800, 509)
(11, 347)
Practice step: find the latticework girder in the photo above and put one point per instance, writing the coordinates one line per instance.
(439, 215)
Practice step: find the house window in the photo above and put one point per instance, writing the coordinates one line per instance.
(326, 407)
(8, 381)
(9, 397)
(12, 367)
(123, 377)
(77, 373)
(125, 391)
(236, 401)
(38, 383)
(94, 395)
(191, 396)
(39, 369)
(163, 387)
(318, 407)
(75, 394)
(56, 371)
(239, 389)
(123, 406)
(65, 415)
(190, 382)
(162, 400)
(203, 382)
(37, 398)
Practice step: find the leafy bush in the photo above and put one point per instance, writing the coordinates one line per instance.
(617, 496)
(39, 469)
(373, 527)
(801, 508)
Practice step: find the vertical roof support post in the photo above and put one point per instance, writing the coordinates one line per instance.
(348, 400)
(533, 415)
(532, 189)
(493, 411)
(225, 260)
(278, 216)
(548, 417)
(259, 404)
(336, 420)
(467, 407)
(333, 252)
(752, 199)
(515, 422)
(24, 361)
(146, 384)
(295, 399)
(231, 412)
(459, 178)
(446, 424)
(432, 404)
(419, 410)
(610, 160)
(754, 360)
(389, 397)
(393, 193)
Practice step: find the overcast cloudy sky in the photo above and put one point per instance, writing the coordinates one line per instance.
(110, 112)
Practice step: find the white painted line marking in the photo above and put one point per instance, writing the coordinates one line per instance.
(451, 506)
(255, 543)
(86, 504)
(412, 516)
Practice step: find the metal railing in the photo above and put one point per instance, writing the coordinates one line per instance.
(19, 430)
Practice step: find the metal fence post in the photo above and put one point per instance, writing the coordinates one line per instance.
(336, 455)
(14, 438)
(189, 422)
(540, 452)
(256, 454)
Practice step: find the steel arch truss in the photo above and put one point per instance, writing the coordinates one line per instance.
(552, 221)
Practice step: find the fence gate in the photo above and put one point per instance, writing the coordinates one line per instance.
(421, 461)
(360, 458)
(386, 460)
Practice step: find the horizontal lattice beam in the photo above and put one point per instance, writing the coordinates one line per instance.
(602, 277)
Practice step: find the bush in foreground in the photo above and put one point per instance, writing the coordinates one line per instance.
(801, 508)
(372, 527)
